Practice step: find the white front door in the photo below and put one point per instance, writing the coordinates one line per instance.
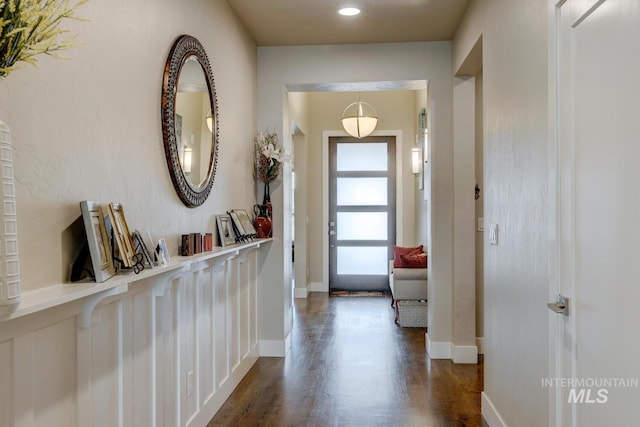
(595, 262)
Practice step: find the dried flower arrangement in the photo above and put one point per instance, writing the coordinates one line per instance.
(31, 27)
(268, 157)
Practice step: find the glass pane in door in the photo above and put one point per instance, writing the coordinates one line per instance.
(362, 191)
(362, 225)
(362, 157)
(368, 260)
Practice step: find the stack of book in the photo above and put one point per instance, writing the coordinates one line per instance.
(195, 243)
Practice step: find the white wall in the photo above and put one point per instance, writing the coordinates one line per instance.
(89, 128)
(515, 198)
(421, 196)
(299, 114)
(282, 66)
(479, 209)
(464, 327)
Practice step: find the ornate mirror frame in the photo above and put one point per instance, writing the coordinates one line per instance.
(187, 47)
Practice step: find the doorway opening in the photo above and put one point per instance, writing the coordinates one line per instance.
(316, 109)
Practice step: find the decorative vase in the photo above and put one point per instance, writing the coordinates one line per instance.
(9, 264)
(266, 201)
(262, 221)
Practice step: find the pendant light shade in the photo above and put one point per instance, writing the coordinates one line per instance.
(359, 119)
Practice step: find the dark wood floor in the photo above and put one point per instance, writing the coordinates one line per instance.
(350, 365)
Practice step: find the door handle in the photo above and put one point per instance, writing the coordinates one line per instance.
(332, 232)
(561, 306)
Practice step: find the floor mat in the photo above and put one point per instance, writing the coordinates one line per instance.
(359, 293)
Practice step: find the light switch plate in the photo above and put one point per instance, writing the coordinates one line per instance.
(493, 234)
(480, 224)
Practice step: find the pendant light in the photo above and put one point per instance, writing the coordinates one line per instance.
(359, 119)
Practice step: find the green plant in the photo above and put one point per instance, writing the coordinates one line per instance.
(32, 27)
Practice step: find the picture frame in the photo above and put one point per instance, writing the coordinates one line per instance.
(237, 226)
(141, 245)
(121, 234)
(226, 236)
(97, 240)
(245, 231)
(162, 253)
(247, 224)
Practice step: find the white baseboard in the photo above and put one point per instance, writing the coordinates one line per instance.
(446, 350)
(318, 287)
(464, 354)
(438, 350)
(273, 348)
(300, 293)
(490, 414)
(480, 345)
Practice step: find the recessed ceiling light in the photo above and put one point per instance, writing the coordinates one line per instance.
(349, 11)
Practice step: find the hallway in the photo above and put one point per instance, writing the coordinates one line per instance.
(350, 365)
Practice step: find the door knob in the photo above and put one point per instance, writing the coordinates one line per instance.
(561, 306)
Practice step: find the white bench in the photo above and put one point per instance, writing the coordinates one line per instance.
(409, 295)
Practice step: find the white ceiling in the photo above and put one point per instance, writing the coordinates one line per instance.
(313, 22)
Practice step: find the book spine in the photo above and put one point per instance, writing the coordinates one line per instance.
(195, 243)
(184, 247)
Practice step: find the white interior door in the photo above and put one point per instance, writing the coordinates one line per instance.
(596, 261)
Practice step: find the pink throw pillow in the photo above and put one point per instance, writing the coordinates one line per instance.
(399, 251)
(413, 261)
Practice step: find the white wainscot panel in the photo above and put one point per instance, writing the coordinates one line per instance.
(161, 349)
(105, 356)
(53, 373)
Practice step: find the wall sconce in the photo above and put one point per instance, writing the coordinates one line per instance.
(359, 119)
(186, 167)
(416, 160)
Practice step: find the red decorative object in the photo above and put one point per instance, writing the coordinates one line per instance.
(413, 261)
(399, 250)
(263, 221)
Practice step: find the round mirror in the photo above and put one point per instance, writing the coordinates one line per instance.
(190, 120)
